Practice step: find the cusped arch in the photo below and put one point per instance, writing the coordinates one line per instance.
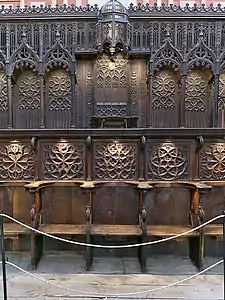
(201, 56)
(167, 56)
(58, 57)
(23, 57)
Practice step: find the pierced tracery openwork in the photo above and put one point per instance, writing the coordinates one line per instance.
(63, 161)
(167, 161)
(16, 162)
(115, 161)
(212, 162)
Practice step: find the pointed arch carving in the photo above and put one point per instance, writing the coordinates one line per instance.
(24, 57)
(167, 56)
(201, 56)
(58, 57)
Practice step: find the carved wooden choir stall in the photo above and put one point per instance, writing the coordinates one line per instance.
(112, 128)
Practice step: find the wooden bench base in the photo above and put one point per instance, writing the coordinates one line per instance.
(63, 229)
(13, 231)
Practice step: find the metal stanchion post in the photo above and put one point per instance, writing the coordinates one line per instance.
(224, 255)
(3, 259)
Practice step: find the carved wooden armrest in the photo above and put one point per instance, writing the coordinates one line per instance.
(195, 185)
(37, 185)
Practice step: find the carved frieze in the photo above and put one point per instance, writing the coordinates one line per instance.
(167, 161)
(115, 161)
(212, 162)
(16, 162)
(63, 160)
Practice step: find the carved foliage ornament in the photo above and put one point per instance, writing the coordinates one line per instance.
(63, 161)
(167, 161)
(195, 93)
(3, 92)
(59, 88)
(212, 162)
(163, 90)
(115, 161)
(29, 90)
(111, 73)
(16, 162)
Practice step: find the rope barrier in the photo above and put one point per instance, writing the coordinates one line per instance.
(114, 295)
(113, 246)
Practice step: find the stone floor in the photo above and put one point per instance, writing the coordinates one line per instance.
(111, 276)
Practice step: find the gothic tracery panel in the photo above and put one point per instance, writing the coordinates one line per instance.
(59, 99)
(16, 162)
(222, 99)
(111, 79)
(115, 161)
(29, 91)
(167, 161)
(164, 108)
(3, 92)
(197, 99)
(63, 160)
(27, 99)
(212, 162)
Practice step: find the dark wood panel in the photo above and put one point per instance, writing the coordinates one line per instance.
(115, 205)
(63, 205)
(168, 206)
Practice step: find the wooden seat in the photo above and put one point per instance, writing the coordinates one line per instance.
(213, 230)
(169, 230)
(13, 231)
(114, 230)
(63, 229)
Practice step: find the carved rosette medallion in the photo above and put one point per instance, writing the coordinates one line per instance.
(167, 161)
(115, 161)
(16, 162)
(212, 162)
(63, 161)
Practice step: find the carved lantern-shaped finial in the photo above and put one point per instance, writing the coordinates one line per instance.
(113, 28)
